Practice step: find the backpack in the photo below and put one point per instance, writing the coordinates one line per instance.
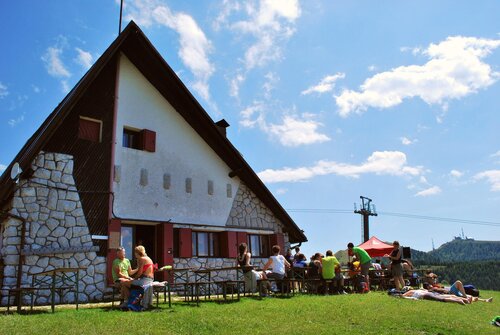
(471, 290)
(134, 300)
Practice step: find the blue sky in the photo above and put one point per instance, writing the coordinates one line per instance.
(327, 100)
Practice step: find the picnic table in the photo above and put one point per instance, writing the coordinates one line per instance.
(203, 281)
(56, 280)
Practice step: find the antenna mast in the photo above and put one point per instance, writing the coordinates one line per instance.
(366, 210)
(120, 24)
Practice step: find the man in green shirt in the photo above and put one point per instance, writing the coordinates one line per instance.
(121, 272)
(330, 270)
(364, 259)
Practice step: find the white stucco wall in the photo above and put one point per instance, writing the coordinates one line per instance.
(180, 152)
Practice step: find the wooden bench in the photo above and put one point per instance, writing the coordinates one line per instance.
(18, 293)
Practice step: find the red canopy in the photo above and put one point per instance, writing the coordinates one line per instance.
(376, 248)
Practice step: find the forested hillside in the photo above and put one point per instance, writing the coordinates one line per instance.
(459, 251)
(484, 275)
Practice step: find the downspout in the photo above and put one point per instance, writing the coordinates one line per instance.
(113, 140)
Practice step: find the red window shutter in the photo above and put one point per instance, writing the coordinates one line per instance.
(185, 239)
(148, 140)
(89, 130)
(278, 239)
(114, 228)
(241, 237)
(228, 244)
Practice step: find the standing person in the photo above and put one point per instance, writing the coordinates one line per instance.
(396, 266)
(121, 271)
(364, 259)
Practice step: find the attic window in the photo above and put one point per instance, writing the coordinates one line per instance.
(131, 139)
(90, 129)
(139, 139)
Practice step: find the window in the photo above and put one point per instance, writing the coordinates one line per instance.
(127, 240)
(205, 244)
(258, 245)
(139, 139)
(131, 139)
(90, 129)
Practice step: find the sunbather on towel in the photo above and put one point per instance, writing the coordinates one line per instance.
(426, 295)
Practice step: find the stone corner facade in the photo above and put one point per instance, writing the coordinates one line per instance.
(57, 234)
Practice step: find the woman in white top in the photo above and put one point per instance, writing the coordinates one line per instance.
(277, 263)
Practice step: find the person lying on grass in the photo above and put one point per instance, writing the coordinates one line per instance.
(456, 289)
(422, 294)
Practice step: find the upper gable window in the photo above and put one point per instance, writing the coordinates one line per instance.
(131, 138)
(90, 129)
(139, 139)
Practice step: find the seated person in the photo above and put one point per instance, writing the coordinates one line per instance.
(330, 270)
(430, 277)
(144, 273)
(277, 263)
(354, 268)
(378, 268)
(314, 270)
(300, 261)
(121, 272)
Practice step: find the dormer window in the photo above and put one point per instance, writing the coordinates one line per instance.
(90, 129)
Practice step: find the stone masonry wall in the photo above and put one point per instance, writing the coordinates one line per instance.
(57, 234)
(248, 211)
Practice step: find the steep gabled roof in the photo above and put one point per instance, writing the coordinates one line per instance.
(134, 44)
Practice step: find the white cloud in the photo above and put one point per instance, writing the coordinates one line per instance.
(2, 168)
(407, 141)
(428, 192)
(380, 162)
(270, 22)
(271, 79)
(496, 156)
(325, 85)
(456, 174)
(280, 191)
(36, 89)
(15, 122)
(455, 69)
(372, 68)
(294, 132)
(235, 83)
(3, 91)
(492, 176)
(228, 6)
(291, 132)
(194, 49)
(84, 58)
(194, 45)
(54, 64)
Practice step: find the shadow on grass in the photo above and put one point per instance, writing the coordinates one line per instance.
(26, 312)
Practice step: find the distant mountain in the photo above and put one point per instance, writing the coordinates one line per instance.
(459, 250)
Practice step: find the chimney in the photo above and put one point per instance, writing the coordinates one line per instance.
(221, 126)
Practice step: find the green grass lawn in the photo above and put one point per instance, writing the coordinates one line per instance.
(373, 313)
